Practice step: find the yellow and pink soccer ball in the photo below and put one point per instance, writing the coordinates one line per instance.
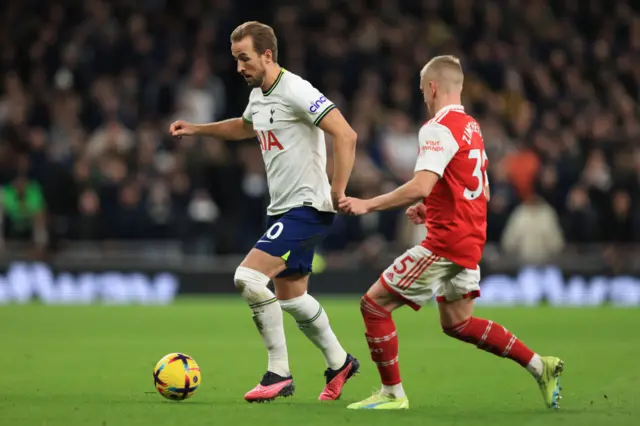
(177, 376)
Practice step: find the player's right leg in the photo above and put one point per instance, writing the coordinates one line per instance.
(251, 279)
(455, 303)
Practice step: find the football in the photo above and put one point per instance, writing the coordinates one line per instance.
(177, 376)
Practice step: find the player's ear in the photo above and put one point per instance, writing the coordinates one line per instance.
(268, 55)
(433, 88)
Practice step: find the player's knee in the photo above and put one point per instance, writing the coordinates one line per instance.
(457, 329)
(448, 331)
(370, 309)
(362, 305)
(248, 280)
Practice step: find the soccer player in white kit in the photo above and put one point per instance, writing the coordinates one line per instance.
(289, 116)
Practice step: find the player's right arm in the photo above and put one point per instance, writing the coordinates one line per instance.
(231, 129)
(437, 148)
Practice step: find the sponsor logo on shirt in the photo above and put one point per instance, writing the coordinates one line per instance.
(268, 141)
(316, 105)
(433, 146)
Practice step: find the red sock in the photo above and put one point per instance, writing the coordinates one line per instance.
(382, 339)
(491, 337)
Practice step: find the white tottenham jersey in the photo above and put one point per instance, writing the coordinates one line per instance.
(285, 119)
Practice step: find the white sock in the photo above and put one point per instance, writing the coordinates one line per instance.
(314, 323)
(393, 390)
(535, 366)
(267, 315)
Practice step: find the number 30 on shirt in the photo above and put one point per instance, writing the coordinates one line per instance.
(480, 158)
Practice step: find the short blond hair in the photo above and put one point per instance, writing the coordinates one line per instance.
(444, 70)
(263, 36)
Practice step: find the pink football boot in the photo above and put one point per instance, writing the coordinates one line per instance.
(336, 379)
(271, 387)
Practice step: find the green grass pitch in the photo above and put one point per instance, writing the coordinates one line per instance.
(93, 366)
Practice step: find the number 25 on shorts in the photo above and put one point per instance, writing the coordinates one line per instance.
(400, 267)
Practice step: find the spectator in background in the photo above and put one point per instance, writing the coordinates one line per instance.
(203, 215)
(160, 211)
(580, 221)
(522, 167)
(201, 96)
(620, 221)
(533, 234)
(399, 146)
(88, 224)
(131, 220)
(503, 199)
(22, 206)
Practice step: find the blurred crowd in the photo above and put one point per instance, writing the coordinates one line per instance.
(89, 88)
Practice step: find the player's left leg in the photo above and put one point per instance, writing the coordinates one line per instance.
(311, 318)
(410, 280)
(455, 304)
(382, 338)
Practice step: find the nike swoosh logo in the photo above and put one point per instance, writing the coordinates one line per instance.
(263, 241)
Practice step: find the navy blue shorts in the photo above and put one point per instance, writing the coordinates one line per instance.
(294, 235)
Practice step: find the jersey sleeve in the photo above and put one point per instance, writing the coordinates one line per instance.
(246, 115)
(309, 102)
(437, 146)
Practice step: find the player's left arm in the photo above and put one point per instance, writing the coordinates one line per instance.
(315, 108)
(344, 151)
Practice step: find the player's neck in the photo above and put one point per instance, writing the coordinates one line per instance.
(272, 74)
(446, 102)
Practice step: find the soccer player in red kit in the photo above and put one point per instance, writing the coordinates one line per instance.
(451, 185)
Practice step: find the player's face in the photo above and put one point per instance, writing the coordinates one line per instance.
(251, 65)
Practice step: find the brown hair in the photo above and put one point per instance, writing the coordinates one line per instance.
(262, 35)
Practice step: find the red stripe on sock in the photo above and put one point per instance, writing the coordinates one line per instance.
(491, 337)
(382, 339)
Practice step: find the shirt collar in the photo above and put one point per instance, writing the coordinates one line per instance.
(452, 107)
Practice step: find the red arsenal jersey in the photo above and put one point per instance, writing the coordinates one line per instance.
(451, 146)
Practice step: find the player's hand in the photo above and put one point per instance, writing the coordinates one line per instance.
(417, 214)
(354, 206)
(182, 128)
